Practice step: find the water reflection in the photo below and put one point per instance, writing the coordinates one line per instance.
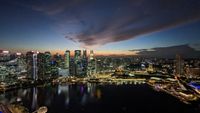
(82, 94)
(60, 96)
(34, 105)
(93, 98)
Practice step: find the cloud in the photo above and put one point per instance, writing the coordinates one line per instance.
(54, 7)
(196, 46)
(93, 23)
(186, 51)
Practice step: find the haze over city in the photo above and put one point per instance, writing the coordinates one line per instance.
(109, 27)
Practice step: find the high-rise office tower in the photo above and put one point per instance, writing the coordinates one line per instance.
(29, 62)
(91, 64)
(179, 66)
(47, 62)
(84, 54)
(41, 65)
(32, 67)
(84, 63)
(72, 68)
(77, 63)
(66, 67)
(58, 60)
(67, 59)
(77, 55)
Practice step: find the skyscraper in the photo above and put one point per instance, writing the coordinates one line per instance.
(77, 55)
(47, 62)
(84, 54)
(67, 59)
(41, 65)
(179, 66)
(72, 67)
(32, 68)
(84, 62)
(91, 64)
(77, 63)
(67, 62)
(58, 60)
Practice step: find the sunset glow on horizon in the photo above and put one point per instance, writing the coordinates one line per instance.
(112, 27)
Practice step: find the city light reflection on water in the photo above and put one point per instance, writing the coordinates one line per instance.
(35, 97)
(90, 98)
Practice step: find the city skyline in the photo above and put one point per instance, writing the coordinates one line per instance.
(107, 27)
(101, 56)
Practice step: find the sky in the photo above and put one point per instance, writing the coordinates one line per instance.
(120, 27)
